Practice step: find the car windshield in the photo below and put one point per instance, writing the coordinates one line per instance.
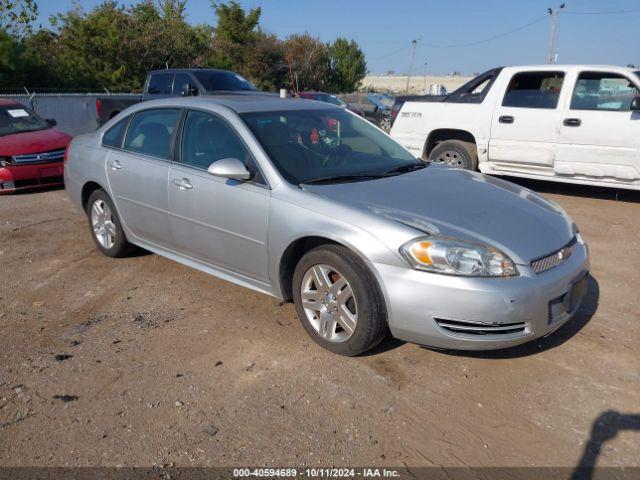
(327, 145)
(328, 99)
(17, 119)
(222, 80)
(637, 74)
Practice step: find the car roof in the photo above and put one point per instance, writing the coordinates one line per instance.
(574, 67)
(243, 103)
(186, 70)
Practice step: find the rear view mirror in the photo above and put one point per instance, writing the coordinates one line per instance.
(229, 168)
(635, 104)
(188, 90)
(52, 122)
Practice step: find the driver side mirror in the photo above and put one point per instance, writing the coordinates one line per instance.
(230, 168)
(188, 90)
(635, 104)
(52, 122)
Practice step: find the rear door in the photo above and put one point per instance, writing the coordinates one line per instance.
(600, 135)
(159, 85)
(220, 221)
(524, 127)
(138, 173)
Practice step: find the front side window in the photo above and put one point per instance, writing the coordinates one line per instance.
(208, 138)
(113, 136)
(603, 91)
(534, 90)
(150, 132)
(160, 84)
(309, 145)
(18, 119)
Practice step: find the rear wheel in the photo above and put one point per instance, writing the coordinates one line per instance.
(105, 226)
(456, 154)
(338, 301)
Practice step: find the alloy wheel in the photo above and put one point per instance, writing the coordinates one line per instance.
(104, 228)
(329, 303)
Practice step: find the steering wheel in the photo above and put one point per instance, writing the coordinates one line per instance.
(338, 156)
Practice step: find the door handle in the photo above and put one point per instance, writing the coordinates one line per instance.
(182, 183)
(572, 122)
(115, 165)
(506, 119)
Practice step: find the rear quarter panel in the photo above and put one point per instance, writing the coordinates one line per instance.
(85, 163)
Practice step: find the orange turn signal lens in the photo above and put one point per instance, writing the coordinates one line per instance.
(420, 252)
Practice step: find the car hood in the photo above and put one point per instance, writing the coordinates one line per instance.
(462, 204)
(33, 142)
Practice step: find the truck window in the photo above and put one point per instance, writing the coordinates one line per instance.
(160, 84)
(475, 90)
(181, 80)
(534, 90)
(603, 91)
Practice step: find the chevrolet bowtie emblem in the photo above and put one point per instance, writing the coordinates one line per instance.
(564, 253)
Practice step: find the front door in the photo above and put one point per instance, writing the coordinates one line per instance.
(219, 221)
(600, 135)
(524, 128)
(138, 174)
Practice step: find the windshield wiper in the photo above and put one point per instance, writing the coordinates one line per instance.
(345, 178)
(409, 167)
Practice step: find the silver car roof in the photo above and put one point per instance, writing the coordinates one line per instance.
(243, 103)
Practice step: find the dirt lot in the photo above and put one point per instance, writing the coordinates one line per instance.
(141, 361)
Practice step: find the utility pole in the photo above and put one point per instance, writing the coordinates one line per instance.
(425, 77)
(554, 27)
(414, 43)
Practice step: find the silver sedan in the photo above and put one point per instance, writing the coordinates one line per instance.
(307, 202)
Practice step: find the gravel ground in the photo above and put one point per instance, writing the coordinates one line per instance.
(141, 361)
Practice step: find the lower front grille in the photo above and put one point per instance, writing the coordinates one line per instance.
(557, 309)
(41, 181)
(481, 329)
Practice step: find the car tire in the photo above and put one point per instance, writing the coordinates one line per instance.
(104, 224)
(456, 153)
(327, 311)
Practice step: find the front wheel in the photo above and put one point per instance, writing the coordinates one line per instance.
(338, 301)
(105, 226)
(456, 154)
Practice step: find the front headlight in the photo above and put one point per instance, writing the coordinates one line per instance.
(457, 257)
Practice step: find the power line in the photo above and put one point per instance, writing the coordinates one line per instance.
(395, 52)
(489, 39)
(605, 12)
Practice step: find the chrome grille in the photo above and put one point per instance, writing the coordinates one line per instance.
(479, 328)
(41, 157)
(556, 258)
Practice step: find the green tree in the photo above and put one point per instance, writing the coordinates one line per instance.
(16, 16)
(309, 61)
(347, 65)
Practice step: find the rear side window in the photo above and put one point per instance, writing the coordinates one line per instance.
(113, 136)
(534, 90)
(150, 132)
(160, 83)
(603, 91)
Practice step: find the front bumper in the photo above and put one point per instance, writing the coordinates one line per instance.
(22, 177)
(461, 313)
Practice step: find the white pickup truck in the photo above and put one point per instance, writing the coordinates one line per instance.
(578, 124)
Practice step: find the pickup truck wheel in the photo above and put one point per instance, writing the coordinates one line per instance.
(338, 300)
(456, 153)
(105, 226)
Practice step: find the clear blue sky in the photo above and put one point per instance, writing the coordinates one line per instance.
(384, 29)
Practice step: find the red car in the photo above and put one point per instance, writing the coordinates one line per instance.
(328, 98)
(31, 150)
